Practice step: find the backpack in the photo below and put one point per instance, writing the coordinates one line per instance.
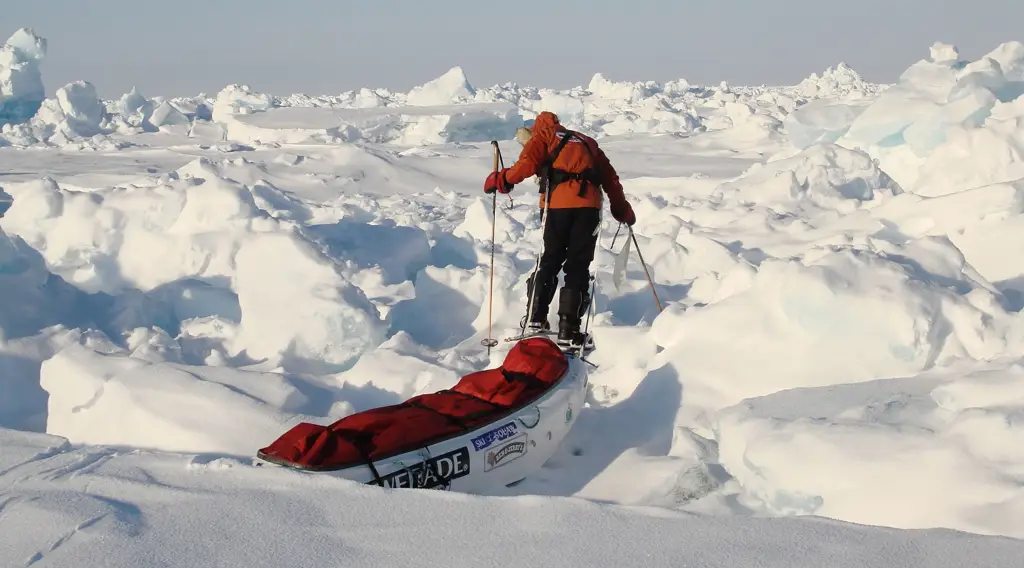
(551, 177)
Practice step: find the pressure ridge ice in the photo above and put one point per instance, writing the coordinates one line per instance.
(840, 264)
(21, 82)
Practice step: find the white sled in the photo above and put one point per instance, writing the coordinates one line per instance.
(506, 449)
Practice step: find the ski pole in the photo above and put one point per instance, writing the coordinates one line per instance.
(536, 265)
(490, 341)
(593, 280)
(616, 236)
(649, 281)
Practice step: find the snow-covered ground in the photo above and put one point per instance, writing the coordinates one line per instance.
(841, 267)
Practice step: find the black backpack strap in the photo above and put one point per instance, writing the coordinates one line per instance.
(589, 174)
(547, 168)
(553, 177)
(558, 149)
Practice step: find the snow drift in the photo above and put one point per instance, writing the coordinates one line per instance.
(821, 120)
(836, 316)
(824, 176)
(196, 229)
(93, 506)
(121, 398)
(934, 114)
(893, 445)
(21, 82)
(412, 126)
(452, 87)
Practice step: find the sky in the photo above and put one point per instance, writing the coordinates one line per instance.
(184, 47)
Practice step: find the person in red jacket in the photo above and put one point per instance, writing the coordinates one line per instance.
(574, 175)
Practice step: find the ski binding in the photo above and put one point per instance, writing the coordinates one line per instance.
(578, 348)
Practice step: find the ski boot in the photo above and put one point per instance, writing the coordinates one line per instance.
(572, 305)
(535, 327)
(537, 322)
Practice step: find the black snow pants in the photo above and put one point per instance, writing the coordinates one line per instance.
(570, 238)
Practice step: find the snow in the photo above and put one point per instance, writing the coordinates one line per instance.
(74, 507)
(943, 108)
(452, 87)
(835, 378)
(81, 108)
(880, 438)
(21, 82)
(167, 115)
(841, 80)
(26, 116)
(413, 125)
(823, 175)
(299, 307)
(198, 226)
(820, 120)
(97, 398)
(239, 99)
(74, 116)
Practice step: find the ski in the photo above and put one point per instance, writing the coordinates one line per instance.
(531, 333)
(578, 348)
(585, 346)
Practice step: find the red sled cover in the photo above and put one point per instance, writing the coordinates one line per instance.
(529, 370)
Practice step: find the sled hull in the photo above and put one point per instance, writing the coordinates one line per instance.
(500, 452)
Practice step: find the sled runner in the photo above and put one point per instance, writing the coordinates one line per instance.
(493, 428)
